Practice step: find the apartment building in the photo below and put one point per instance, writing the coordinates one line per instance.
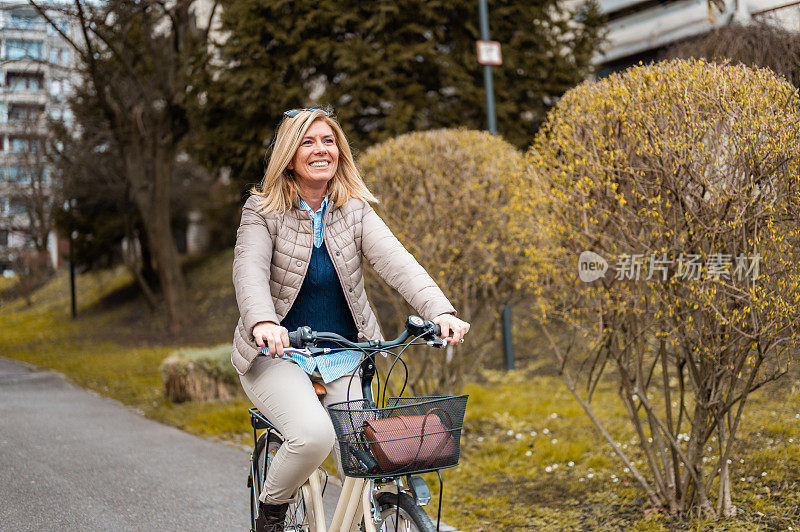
(36, 77)
(639, 29)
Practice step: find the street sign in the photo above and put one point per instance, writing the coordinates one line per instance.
(489, 53)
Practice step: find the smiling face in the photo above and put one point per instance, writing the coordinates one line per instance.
(316, 159)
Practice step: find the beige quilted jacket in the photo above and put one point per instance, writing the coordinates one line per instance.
(271, 258)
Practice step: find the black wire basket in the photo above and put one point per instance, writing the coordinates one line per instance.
(409, 435)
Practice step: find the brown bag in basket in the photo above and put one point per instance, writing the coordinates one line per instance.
(410, 442)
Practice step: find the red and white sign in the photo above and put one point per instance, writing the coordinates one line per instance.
(489, 53)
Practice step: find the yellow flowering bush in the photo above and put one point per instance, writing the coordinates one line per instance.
(683, 179)
(443, 193)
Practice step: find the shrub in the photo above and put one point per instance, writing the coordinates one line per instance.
(684, 175)
(442, 192)
(204, 374)
(762, 43)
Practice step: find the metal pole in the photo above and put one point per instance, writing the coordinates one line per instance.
(508, 345)
(488, 81)
(72, 276)
(491, 119)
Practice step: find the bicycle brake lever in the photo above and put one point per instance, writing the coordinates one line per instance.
(442, 342)
(305, 351)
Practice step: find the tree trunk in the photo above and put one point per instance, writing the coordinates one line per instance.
(725, 506)
(149, 273)
(152, 196)
(159, 234)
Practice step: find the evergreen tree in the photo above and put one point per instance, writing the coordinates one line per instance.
(386, 67)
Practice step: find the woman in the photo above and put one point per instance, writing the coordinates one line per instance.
(298, 262)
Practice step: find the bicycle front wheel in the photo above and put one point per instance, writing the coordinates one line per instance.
(297, 518)
(401, 513)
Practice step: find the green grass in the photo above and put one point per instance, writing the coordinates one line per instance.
(116, 344)
(530, 457)
(532, 460)
(7, 283)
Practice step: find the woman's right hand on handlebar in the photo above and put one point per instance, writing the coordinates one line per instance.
(273, 336)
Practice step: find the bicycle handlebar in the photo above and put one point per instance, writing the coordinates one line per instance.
(415, 327)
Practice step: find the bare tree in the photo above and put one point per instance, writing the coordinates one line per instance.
(681, 178)
(33, 69)
(102, 216)
(761, 44)
(30, 197)
(138, 60)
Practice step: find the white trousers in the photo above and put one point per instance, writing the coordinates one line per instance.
(284, 394)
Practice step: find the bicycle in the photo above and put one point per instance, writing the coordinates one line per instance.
(373, 497)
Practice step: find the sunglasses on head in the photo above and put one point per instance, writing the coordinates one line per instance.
(291, 113)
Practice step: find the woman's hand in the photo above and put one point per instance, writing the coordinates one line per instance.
(451, 325)
(272, 335)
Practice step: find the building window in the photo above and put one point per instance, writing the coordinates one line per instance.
(59, 87)
(61, 24)
(18, 174)
(14, 174)
(17, 207)
(3, 238)
(23, 174)
(18, 81)
(25, 145)
(21, 112)
(19, 145)
(3, 205)
(23, 50)
(23, 22)
(59, 56)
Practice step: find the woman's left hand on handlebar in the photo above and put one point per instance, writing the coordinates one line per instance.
(451, 325)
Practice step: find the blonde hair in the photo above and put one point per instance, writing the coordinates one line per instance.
(279, 190)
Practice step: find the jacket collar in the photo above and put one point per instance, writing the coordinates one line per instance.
(309, 210)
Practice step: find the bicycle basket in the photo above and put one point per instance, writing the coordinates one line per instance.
(409, 435)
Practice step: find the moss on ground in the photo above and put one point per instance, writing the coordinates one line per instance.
(530, 458)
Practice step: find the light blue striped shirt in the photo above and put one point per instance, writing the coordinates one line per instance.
(330, 367)
(334, 365)
(316, 219)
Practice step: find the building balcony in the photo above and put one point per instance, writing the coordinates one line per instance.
(638, 26)
(659, 26)
(10, 31)
(23, 127)
(18, 96)
(25, 64)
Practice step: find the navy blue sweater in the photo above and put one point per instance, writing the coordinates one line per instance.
(321, 303)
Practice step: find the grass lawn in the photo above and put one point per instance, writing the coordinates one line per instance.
(530, 458)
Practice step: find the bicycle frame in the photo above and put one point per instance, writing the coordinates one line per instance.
(354, 504)
(358, 498)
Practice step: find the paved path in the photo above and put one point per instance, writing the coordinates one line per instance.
(73, 460)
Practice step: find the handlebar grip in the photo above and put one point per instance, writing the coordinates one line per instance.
(302, 337)
(437, 330)
(296, 339)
